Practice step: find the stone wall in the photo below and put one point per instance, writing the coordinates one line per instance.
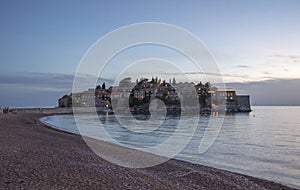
(243, 103)
(42, 110)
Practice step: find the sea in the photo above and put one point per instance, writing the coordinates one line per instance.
(264, 143)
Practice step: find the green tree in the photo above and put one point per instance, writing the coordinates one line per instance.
(174, 81)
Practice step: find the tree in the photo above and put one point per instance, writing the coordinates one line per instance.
(203, 95)
(207, 85)
(200, 85)
(125, 82)
(103, 86)
(174, 81)
(98, 87)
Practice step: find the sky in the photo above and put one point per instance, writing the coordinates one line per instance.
(253, 42)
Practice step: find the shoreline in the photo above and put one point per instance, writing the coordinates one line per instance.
(33, 153)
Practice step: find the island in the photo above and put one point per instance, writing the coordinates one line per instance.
(139, 94)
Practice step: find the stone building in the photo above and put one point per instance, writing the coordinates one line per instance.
(140, 94)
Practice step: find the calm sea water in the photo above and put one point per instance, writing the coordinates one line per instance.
(264, 143)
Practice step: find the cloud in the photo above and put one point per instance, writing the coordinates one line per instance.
(54, 80)
(288, 58)
(281, 92)
(45, 80)
(208, 73)
(35, 89)
(242, 66)
(44, 89)
(266, 73)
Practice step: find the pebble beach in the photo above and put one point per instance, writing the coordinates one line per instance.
(35, 156)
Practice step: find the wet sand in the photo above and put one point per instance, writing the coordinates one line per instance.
(34, 156)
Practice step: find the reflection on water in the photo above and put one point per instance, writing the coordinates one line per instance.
(264, 143)
(139, 140)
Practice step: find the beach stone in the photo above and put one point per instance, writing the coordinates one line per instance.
(7, 181)
(34, 156)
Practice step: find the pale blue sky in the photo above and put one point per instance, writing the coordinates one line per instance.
(258, 40)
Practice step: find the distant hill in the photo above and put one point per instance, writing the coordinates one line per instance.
(276, 92)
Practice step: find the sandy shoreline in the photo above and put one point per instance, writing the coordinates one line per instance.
(34, 156)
